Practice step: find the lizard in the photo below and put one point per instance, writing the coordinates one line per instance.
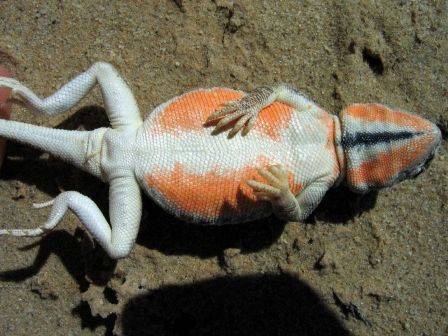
(217, 156)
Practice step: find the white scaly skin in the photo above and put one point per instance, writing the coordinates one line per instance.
(106, 153)
(126, 153)
(285, 204)
(109, 154)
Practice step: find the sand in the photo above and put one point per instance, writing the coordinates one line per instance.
(372, 265)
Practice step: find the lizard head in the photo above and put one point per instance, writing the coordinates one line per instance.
(383, 146)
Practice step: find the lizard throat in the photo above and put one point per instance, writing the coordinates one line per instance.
(339, 150)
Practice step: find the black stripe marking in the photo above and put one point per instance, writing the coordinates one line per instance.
(369, 139)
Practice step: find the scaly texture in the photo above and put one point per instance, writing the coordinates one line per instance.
(383, 146)
(189, 157)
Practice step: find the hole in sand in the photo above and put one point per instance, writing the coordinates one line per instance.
(374, 61)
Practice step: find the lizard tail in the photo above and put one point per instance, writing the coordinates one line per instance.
(24, 232)
(41, 230)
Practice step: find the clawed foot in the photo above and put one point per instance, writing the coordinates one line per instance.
(243, 112)
(277, 186)
(277, 191)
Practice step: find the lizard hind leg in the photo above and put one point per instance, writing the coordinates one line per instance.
(125, 214)
(121, 106)
(60, 205)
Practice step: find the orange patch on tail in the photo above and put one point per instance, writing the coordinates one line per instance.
(210, 195)
(381, 113)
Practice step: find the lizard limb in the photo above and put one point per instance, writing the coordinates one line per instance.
(285, 205)
(246, 110)
(125, 213)
(120, 103)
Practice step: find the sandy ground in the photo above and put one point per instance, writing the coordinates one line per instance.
(375, 265)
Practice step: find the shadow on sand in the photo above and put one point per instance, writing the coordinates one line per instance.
(250, 305)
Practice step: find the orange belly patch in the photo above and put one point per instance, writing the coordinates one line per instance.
(211, 196)
(189, 112)
(273, 119)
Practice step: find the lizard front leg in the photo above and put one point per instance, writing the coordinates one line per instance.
(244, 112)
(285, 204)
(125, 209)
(120, 103)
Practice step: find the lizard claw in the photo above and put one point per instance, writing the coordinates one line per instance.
(242, 117)
(277, 186)
(242, 113)
(225, 109)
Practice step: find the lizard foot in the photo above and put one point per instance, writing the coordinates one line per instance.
(277, 188)
(37, 231)
(276, 191)
(243, 113)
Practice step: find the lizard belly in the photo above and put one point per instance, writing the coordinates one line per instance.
(202, 179)
(199, 176)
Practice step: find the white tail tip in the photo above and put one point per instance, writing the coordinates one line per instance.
(43, 205)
